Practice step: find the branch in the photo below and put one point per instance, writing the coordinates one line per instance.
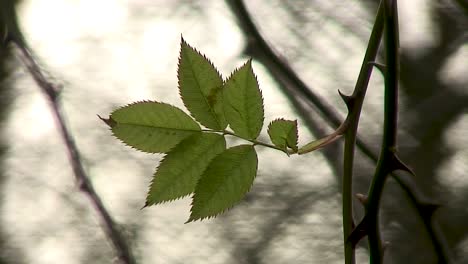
(388, 148)
(354, 104)
(260, 49)
(51, 92)
(388, 161)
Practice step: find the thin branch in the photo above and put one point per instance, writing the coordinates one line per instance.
(388, 148)
(354, 103)
(51, 91)
(389, 161)
(256, 142)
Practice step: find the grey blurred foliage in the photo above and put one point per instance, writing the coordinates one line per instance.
(431, 105)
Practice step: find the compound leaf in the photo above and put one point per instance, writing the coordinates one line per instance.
(179, 171)
(200, 87)
(225, 182)
(243, 102)
(283, 134)
(151, 126)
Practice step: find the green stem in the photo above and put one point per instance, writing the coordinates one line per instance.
(255, 142)
(322, 142)
(355, 106)
(387, 157)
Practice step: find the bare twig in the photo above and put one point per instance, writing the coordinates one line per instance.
(52, 91)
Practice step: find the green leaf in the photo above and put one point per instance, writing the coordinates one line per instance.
(225, 182)
(200, 86)
(179, 171)
(151, 126)
(283, 133)
(243, 102)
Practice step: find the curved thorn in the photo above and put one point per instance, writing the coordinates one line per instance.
(381, 67)
(349, 100)
(362, 198)
(397, 164)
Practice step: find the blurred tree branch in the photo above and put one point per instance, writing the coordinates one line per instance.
(14, 36)
(7, 251)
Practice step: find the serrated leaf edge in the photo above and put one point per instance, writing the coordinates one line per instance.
(227, 208)
(249, 62)
(286, 139)
(154, 174)
(212, 111)
(112, 121)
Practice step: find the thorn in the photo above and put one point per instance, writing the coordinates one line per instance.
(379, 66)
(109, 121)
(349, 100)
(362, 198)
(397, 164)
(359, 232)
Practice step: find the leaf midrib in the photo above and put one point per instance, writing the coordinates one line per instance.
(211, 109)
(234, 165)
(192, 162)
(157, 127)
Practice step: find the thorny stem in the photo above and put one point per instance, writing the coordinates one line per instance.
(282, 71)
(386, 163)
(354, 103)
(52, 91)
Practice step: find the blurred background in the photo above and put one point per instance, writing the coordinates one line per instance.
(109, 53)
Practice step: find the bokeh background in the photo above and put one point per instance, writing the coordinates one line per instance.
(109, 53)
